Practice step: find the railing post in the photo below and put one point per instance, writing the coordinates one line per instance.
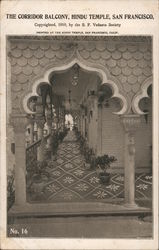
(40, 152)
(99, 130)
(49, 141)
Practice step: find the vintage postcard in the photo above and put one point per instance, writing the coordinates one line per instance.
(79, 124)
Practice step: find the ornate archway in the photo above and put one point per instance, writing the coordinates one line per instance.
(129, 123)
(142, 94)
(101, 71)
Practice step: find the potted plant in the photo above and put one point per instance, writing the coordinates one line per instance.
(103, 164)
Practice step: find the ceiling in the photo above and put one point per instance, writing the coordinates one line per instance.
(62, 85)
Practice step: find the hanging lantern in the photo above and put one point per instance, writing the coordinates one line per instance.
(75, 76)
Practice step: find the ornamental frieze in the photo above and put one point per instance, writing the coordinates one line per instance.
(128, 59)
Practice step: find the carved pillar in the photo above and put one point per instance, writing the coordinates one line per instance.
(52, 128)
(49, 140)
(19, 124)
(40, 123)
(81, 123)
(99, 130)
(39, 118)
(31, 131)
(49, 119)
(131, 123)
(63, 122)
(92, 125)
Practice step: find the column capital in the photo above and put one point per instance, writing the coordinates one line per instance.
(19, 122)
(131, 122)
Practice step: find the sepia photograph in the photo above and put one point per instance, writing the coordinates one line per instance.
(79, 127)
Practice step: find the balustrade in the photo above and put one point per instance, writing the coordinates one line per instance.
(31, 153)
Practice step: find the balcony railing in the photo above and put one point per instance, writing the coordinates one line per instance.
(31, 153)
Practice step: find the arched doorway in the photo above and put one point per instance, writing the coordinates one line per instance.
(63, 99)
(69, 122)
(75, 95)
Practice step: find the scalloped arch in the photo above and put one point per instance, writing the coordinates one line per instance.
(85, 65)
(141, 95)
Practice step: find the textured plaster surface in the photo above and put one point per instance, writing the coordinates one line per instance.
(129, 62)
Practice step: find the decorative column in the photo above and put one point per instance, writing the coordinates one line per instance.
(39, 118)
(19, 124)
(79, 123)
(40, 123)
(131, 123)
(49, 140)
(92, 128)
(82, 123)
(99, 130)
(63, 119)
(40, 152)
(31, 131)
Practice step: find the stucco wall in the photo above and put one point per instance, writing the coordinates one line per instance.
(143, 138)
(112, 135)
(127, 61)
(113, 138)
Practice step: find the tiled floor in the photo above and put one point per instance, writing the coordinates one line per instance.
(70, 181)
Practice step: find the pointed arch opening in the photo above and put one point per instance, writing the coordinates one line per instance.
(86, 68)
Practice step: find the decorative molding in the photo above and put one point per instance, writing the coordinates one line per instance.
(126, 60)
(141, 95)
(131, 122)
(130, 39)
(85, 65)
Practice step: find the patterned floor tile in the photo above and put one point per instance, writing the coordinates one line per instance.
(69, 156)
(61, 152)
(82, 187)
(68, 166)
(57, 173)
(65, 196)
(69, 181)
(78, 173)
